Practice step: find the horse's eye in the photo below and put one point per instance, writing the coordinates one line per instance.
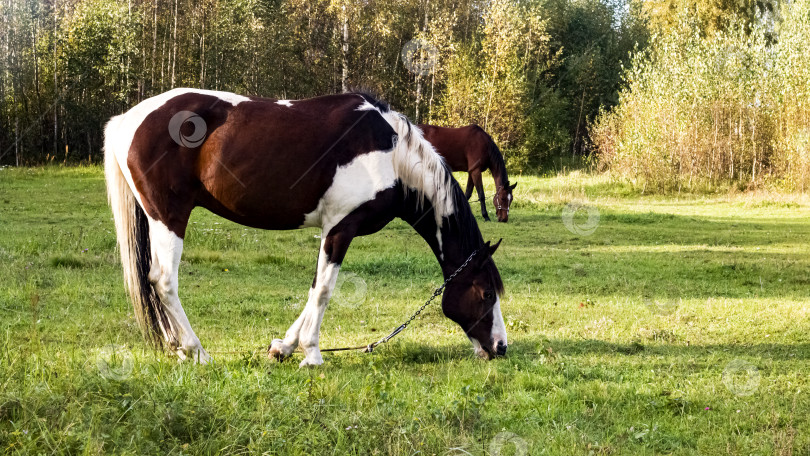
(489, 295)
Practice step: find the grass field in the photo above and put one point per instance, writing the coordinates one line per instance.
(637, 325)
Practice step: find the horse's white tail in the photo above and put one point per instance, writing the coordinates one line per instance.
(132, 234)
(419, 166)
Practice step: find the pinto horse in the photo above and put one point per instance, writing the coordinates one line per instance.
(344, 163)
(472, 150)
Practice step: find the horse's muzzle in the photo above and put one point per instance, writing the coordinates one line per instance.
(500, 348)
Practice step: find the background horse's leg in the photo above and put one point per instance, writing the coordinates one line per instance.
(307, 327)
(167, 248)
(479, 186)
(470, 185)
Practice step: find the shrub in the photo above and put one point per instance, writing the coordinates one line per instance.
(698, 110)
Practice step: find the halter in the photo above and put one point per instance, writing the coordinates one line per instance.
(497, 201)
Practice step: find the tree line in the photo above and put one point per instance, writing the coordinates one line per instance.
(532, 72)
(536, 74)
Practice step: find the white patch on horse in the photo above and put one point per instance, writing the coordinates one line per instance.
(366, 106)
(121, 129)
(118, 134)
(286, 103)
(498, 326)
(355, 183)
(231, 98)
(311, 325)
(419, 166)
(167, 248)
(305, 331)
(479, 351)
(439, 238)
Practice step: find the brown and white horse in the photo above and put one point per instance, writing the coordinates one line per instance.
(472, 150)
(344, 163)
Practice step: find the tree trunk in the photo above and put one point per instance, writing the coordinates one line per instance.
(418, 95)
(55, 94)
(39, 113)
(202, 49)
(17, 140)
(174, 44)
(154, 45)
(344, 81)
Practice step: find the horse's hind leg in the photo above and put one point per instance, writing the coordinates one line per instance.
(167, 248)
(470, 185)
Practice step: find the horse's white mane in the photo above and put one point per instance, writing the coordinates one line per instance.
(418, 165)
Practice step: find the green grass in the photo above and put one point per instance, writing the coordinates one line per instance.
(619, 340)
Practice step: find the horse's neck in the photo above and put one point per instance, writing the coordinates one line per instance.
(452, 243)
(499, 175)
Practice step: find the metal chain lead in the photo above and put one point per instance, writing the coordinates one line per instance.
(436, 294)
(370, 347)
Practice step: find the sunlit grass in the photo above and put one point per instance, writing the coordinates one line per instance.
(621, 342)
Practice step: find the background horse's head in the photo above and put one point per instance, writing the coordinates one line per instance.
(502, 200)
(472, 299)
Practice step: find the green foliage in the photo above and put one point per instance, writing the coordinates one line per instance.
(532, 72)
(590, 41)
(95, 52)
(490, 84)
(702, 110)
(710, 16)
(788, 93)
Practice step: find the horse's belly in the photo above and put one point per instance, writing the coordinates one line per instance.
(311, 200)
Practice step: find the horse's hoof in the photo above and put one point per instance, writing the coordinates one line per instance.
(193, 353)
(278, 350)
(307, 362)
(202, 357)
(278, 355)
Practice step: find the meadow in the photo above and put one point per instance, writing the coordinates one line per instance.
(638, 324)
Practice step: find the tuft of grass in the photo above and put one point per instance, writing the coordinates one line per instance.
(67, 261)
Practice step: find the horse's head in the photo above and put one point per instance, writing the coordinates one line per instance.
(472, 299)
(502, 200)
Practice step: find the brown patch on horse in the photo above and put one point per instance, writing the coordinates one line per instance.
(258, 134)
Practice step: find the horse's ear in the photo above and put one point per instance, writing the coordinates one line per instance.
(512, 187)
(493, 248)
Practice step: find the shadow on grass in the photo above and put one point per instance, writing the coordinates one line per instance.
(531, 349)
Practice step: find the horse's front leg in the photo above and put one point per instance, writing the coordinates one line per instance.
(307, 327)
(479, 186)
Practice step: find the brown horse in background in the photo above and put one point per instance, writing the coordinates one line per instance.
(472, 150)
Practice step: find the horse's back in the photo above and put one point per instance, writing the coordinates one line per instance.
(463, 148)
